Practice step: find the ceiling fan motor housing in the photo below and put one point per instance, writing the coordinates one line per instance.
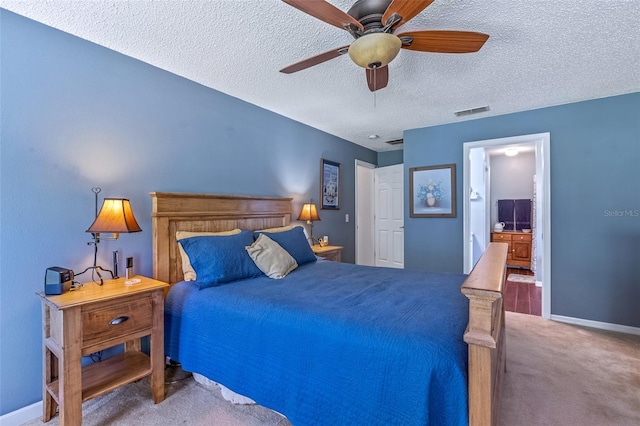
(369, 13)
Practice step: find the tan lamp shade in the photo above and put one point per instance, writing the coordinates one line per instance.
(309, 212)
(115, 217)
(375, 50)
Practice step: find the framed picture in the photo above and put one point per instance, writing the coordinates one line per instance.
(432, 191)
(329, 185)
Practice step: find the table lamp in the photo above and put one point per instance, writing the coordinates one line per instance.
(115, 217)
(309, 213)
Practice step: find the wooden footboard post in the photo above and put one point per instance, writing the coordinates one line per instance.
(485, 335)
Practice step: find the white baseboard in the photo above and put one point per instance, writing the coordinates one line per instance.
(22, 415)
(597, 324)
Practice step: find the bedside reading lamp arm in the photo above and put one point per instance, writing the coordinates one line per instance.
(115, 216)
(96, 268)
(96, 240)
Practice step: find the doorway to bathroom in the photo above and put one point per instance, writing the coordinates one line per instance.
(480, 206)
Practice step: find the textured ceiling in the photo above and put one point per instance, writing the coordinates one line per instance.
(540, 53)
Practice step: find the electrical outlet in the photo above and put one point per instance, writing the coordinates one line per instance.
(346, 217)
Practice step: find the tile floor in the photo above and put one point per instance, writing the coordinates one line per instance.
(523, 298)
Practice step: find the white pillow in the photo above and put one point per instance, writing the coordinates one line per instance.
(278, 229)
(271, 258)
(187, 269)
(284, 229)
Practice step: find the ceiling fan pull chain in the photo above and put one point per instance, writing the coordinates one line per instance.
(375, 85)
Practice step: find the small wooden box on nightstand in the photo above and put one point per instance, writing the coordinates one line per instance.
(80, 322)
(333, 253)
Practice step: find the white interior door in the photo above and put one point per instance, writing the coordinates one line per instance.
(389, 216)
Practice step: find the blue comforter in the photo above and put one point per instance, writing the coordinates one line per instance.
(332, 343)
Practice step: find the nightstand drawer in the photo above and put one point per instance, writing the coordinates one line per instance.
(108, 320)
(333, 253)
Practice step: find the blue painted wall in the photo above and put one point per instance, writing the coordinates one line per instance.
(390, 158)
(595, 202)
(75, 116)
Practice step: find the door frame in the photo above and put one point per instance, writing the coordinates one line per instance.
(364, 232)
(543, 193)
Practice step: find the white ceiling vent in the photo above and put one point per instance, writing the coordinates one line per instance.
(396, 142)
(472, 111)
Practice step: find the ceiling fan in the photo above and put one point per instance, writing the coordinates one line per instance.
(373, 23)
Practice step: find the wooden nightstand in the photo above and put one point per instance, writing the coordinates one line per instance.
(93, 318)
(333, 253)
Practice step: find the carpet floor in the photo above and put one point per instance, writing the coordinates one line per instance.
(561, 374)
(557, 374)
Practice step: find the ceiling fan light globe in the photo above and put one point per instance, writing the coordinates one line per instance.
(374, 50)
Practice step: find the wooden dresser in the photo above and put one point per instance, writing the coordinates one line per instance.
(519, 253)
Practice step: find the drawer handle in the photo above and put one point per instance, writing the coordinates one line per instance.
(118, 320)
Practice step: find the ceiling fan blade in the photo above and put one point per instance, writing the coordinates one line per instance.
(315, 60)
(325, 12)
(377, 78)
(407, 9)
(444, 41)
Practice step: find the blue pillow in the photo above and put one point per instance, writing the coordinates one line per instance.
(294, 242)
(220, 259)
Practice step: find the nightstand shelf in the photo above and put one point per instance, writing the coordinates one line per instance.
(78, 323)
(103, 377)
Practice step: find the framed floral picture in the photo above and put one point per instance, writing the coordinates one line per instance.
(432, 191)
(329, 185)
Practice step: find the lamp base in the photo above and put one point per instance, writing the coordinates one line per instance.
(311, 232)
(97, 270)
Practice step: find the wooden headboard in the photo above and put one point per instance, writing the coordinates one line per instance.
(174, 211)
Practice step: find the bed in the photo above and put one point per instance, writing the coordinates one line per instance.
(323, 361)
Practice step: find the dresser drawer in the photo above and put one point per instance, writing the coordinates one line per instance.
(103, 322)
(521, 237)
(499, 237)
